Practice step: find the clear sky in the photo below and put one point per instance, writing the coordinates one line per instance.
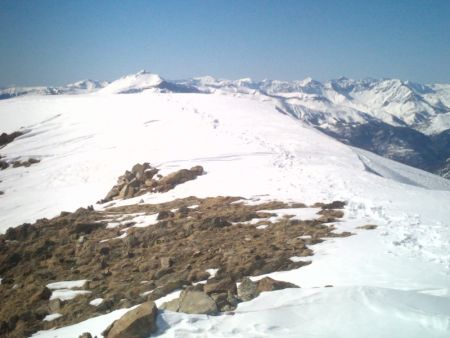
(53, 42)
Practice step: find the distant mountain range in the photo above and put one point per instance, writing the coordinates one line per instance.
(400, 120)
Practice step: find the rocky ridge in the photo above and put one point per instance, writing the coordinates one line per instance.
(131, 254)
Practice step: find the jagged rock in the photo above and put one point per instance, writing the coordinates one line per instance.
(140, 179)
(112, 193)
(170, 181)
(8, 138)
(126, 192)
(149, 173)
(247, 290)
(139, 169)
(137, 323)
(3, 164)
(220, 286)
(269, 284)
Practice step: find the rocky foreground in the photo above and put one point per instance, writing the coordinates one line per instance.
(123, 256)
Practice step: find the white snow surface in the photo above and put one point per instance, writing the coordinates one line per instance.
(67, 294)
(71, 284)
(390, 282)
(133, 83)
(96, 301)
(52, 316)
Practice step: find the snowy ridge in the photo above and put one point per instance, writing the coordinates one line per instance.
(80, 87)
(133, 83)
(389, 282)
(144, 81)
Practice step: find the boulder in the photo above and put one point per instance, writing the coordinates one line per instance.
(85, 335)
(8, 138)
(197, 302)
(198, 170)
(247, 290)
(138, 170)
(269, 284)
(137, 323)
(220, 286)
(170, 181)
(149, 173)
(173, 305)
(193, 302)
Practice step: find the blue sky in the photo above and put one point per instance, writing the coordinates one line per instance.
(53, 42)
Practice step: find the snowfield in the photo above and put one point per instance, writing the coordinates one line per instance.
(390, 282)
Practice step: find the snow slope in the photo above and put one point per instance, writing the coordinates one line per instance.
(392, 101)
(392, 281)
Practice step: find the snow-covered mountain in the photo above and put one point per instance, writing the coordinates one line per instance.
(144, 81)
(400, 120)
(389, 282)
(80, 87)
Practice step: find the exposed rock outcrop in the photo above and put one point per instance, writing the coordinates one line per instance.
(144, 178)
(8, 138)
(127, 265)
(137, 323)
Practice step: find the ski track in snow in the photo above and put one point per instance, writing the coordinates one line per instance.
(392, 281)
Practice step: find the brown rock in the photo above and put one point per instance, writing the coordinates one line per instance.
(42, 294)
(138, 170)
(269, 284)
(137, 323)
(197, 302)
(55, 305)
(198, 170)
(331, 213)
(166, 262)
(220, 286)
(85, 335)
(334, 205)
(368, 227)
